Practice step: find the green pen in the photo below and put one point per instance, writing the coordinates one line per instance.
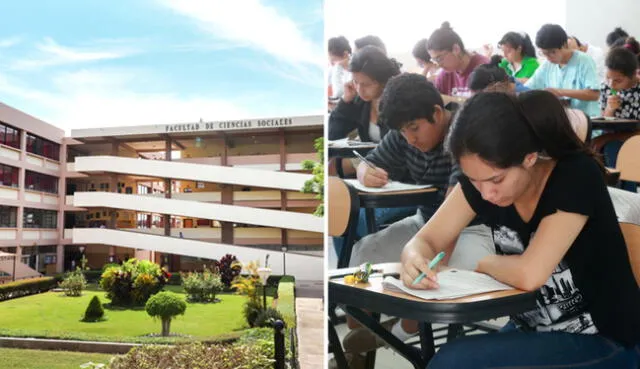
(613, 92)
(432, 264)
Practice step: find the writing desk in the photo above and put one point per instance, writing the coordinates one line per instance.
(615, 124)
(395, 199)
(355, 299)
(347, 151)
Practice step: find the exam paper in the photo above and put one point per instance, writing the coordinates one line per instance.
(345, 143)
(389, 187)
(453, 283)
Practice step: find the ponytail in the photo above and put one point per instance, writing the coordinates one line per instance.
(502, 128)
(519, 40)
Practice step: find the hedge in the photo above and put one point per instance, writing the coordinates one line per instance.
(286, 300)
(26, 287)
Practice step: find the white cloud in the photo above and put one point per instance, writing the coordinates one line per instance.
(251, 23)
(8, 42)
(51, 53)
(104, 98)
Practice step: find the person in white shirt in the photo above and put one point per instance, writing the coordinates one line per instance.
(594, 52)
(339, 57)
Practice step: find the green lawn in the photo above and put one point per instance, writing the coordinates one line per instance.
(37, 359)
(54, 315)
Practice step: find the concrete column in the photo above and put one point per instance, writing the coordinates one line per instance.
(284, 236)
(113, 185)
(62, 191)
(226, 236)
(21, 182)
(226, 197)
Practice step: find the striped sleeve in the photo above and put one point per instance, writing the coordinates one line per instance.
(390, 155)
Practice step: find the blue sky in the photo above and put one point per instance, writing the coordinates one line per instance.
(90, 63)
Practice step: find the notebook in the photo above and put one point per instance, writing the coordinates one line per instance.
(389, 187)
(453, 283)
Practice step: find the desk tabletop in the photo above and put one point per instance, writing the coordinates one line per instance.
(372, 296)
(399, 193)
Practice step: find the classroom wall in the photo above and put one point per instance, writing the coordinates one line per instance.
(592, 20)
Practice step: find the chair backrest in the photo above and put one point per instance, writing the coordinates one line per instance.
(340, 209)
(581, 123)
(628, 162)
(631, 233)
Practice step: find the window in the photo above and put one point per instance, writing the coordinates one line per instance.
(39, 218)
(40, 182)
(9, 176)
(8, 217)
(42, 147)
(9, 136)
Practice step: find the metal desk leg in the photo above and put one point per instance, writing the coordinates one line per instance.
(371, 220)
(336, 347)
(454, 331)
(426, 342)
(408, 352)
(370, 357)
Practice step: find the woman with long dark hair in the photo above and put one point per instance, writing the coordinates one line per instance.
(542, 191)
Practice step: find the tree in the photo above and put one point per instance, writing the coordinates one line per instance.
(165, 305)
(316, 184)
(94, 311)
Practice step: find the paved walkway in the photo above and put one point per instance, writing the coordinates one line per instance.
(310, 324)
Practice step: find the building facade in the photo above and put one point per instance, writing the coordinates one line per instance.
(179, 194)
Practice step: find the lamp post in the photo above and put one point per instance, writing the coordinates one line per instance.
(284, 260)
(81, 248)
(264, 274)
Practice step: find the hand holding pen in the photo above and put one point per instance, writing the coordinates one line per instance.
(419, 274)
(370, 175)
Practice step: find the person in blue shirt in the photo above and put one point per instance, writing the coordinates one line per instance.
(569, 74)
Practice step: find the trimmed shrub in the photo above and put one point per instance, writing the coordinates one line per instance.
(94, 312)
(165, 305)
(286, 300)
(74, 283)
(202, 287)
(195, 355)
(266, 317)
(133, 282)
(26, 287)
(228, 269)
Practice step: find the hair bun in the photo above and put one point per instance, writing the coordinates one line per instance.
(445, 25)
(495, 60)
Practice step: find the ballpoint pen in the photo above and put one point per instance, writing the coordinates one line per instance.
(432, 264)
(357, 154)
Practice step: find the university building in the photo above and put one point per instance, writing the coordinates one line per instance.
(179, 194)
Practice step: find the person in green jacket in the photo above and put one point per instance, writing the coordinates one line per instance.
(520, 59)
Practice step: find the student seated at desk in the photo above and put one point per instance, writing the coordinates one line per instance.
(358, 109)
(447, 50)
(556, 232)
(490, 77)
(520, 59)
(412, 151)
(620, 98)
(568, 74)
(339, 56)
(421, 54)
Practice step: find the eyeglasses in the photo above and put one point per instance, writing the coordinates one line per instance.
(438, 59)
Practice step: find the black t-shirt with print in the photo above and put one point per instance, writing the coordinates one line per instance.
(593, 289)
(629, 101)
